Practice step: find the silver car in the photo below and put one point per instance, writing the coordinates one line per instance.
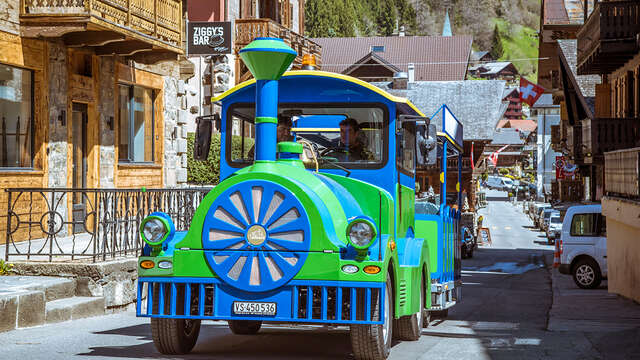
(554, 230)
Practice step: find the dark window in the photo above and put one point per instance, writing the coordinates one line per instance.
(406, 145)
(591, 224)
(16, 117)
(136, 119)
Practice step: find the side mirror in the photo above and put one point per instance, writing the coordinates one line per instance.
(427, 144)
(202, 141)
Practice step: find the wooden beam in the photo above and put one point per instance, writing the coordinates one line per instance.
(91, 38)
(154, 56)
(50, 30)
(123, 48)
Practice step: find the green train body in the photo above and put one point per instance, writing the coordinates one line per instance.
(301, 237)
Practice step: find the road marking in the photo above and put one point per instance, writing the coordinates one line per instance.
(519, 341)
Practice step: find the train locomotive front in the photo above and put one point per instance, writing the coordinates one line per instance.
(277, 242)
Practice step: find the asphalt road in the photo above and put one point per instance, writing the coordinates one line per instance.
(504, 314)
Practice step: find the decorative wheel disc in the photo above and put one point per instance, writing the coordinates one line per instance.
(259, 233)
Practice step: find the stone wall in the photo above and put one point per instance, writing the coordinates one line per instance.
(57, 145)
(10, 16)
(107, 114)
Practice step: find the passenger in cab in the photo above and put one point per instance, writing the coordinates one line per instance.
(352, 142)
(283, 133)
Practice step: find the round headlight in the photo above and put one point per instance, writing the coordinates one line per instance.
(361, 233)
(154, 231)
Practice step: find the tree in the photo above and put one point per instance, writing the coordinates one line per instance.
(496, 45)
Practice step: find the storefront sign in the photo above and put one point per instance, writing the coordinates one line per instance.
(209, 38)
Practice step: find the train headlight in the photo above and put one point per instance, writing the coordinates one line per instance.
(361, 233)
(156, 228)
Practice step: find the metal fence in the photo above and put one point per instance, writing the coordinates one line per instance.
(98, 224)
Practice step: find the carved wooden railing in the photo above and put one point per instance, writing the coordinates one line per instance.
(610, 22)
(601, 135)
(161, 19)
(622, 172)
(249, 29)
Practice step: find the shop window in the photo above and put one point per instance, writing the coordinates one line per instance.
(16, 117)
(136, 124)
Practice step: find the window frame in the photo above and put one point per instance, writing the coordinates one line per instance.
(32, 125)
(131, 101)
(352, 166)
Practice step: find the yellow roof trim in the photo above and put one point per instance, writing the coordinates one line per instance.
(365, 84)
(450, 140)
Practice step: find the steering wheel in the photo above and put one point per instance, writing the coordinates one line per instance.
(333, 149)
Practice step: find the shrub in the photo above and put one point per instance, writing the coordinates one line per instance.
(5, 268)
(510, 194)
(485, 176)
(208, 172)
(503, 171)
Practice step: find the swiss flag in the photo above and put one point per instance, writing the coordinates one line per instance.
(494, 157)
(529, 92)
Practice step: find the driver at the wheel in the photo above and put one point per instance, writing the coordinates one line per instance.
(351, 142)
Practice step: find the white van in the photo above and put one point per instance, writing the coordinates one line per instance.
(583, 245)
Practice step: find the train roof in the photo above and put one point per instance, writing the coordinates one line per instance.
(404, 105)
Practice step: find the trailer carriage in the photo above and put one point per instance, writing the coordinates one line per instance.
(306, 231)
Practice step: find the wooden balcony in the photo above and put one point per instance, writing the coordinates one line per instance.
(249, 29)
(600, 135)
(609, 37)
(622, 173)
(120, 27)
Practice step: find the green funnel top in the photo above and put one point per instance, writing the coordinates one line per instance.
(267, 58)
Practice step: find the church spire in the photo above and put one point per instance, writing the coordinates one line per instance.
(446, 28)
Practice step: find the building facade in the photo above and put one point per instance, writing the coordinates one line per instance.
(214, 74)
(548, 115)
(607, 47)
(90, 97)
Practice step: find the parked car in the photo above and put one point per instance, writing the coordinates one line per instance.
(546, 216)
(509, 184)
(583, 245)
(555, 228)
(497, 183)
(539, 213)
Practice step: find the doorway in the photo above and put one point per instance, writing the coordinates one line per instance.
(79, 120)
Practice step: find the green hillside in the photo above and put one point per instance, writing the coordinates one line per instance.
(513, 22)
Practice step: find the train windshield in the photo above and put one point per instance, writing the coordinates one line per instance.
(351, 136)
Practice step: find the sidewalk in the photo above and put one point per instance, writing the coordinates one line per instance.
(575, 309)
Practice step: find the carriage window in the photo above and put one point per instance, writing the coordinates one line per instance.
(243, 135)
(347, 135)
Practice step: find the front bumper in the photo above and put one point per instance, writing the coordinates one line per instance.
(303, 301)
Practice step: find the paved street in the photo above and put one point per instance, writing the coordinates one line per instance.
(506, 313)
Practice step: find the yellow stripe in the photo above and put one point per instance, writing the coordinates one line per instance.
(450, 140)
(351, 79)
(316, 129)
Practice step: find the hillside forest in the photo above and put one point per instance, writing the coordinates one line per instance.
(507, 28)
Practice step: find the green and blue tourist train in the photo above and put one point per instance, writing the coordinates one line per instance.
(314, 220)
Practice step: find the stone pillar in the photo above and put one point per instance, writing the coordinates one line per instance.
(58, 121)
(106, 111)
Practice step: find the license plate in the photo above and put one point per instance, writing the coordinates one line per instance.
(254, 308)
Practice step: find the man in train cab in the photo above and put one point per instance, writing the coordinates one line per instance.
(283, 133)
(352, 141)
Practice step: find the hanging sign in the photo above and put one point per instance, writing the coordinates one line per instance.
(452, 126)
(209, 38)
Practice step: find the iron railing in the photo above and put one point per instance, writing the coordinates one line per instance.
(98, 224)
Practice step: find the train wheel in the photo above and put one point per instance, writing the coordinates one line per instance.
(410, 326)
(373, 342)
(440, 314)
(244, 327)
(175, 336)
